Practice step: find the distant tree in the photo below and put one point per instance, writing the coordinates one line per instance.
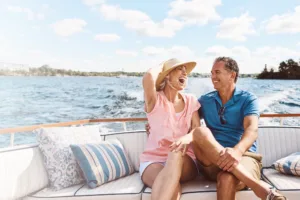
(265, 69)
(287, 70)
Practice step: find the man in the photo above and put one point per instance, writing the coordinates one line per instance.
(226, 148)
(232, 116)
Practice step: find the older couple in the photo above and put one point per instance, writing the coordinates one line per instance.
(179, 147)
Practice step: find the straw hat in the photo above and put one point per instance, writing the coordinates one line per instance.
(171, 64)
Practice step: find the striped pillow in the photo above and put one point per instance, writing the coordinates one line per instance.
(102, 162)
(289, 165)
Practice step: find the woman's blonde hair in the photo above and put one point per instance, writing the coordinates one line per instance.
(162, 85)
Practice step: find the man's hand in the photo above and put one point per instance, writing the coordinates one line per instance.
(229, 159)
(147, 127)
(181, 144)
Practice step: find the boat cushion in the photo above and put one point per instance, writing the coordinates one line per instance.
(281, 181)
(277, 142)
(50, 193)
(21, 172)
(133, 142)
(203, 189)
(129, 187)
(289, 165)
(102, 162)
(59, 161)
(126, 188)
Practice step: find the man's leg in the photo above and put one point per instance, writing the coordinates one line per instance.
(228, 184)
(210, 148)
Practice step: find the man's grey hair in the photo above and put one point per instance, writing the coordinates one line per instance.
(230, 65)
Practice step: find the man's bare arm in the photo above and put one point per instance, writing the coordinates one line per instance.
(230, 157)
(250, 134)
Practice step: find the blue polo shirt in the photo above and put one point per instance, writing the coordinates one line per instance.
(241, 104)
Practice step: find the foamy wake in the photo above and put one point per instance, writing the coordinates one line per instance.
(265, 107)
(267, 100)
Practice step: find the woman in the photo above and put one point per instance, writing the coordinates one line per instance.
(171, 114)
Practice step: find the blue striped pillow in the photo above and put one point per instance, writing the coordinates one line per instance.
(288, 165)
(102, 162)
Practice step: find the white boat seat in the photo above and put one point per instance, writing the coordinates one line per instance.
(129, 187)
(286, 184)
(47, 193)
(203, 189)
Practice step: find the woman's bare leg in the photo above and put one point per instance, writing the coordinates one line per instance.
(150, 173)
(154, 176)
(166, 183)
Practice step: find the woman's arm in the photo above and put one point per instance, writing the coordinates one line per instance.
(195, 120)
(149, 81)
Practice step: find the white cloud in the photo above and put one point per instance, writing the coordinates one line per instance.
(251, 61)
(236, 28)
(93, 2)
(298, 44)
(239, 51)
(40, 16)
(45, 6)
(285, 23)
(174, 51)
(153, 51)
(276, 53)
(126, 53)
(195, 11)
(30, 14)
(68, 27)
(107, 37)
(141, 22)
(187, 12)
(16, 9)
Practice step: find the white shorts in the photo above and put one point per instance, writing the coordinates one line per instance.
(144, 165)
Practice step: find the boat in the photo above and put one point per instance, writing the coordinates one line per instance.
(24, 176)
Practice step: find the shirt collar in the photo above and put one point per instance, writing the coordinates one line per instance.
(235, 97)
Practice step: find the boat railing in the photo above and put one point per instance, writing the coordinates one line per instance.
(14, 130)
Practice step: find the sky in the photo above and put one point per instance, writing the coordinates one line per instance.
(135, 35)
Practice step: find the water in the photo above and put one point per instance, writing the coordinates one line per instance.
(38, 100)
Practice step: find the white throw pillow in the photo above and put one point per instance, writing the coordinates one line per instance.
(60, 163)
(289, 164)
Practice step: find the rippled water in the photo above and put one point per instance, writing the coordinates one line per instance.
(38, 100)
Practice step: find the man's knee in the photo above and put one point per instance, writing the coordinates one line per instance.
(201, 134)
(226, 179)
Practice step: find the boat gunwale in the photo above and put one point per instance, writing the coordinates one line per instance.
(106, 120)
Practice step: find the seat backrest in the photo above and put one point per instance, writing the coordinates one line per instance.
(277, 142)
(22, 172)
(273, 143)
(133, 142)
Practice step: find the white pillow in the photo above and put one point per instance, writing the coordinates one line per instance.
(60, 163)
(288, 165)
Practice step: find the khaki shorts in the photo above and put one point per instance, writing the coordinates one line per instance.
(251, 161)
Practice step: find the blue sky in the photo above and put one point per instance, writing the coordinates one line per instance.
(134, 35)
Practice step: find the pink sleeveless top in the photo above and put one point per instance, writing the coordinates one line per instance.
(167, 126)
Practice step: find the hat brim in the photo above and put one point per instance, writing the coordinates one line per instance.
(189, 68)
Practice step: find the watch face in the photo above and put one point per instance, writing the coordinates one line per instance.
(202, 122)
